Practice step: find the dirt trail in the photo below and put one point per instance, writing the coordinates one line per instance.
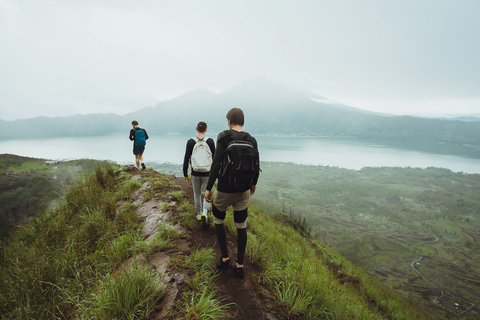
(250, 300)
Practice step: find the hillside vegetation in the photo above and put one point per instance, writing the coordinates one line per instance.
(384, 219)
(29, 186)
(81, 260)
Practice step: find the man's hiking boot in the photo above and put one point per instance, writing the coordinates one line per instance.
(204, 220)
(239, 271)
(144, 166)
(199, 217)
(224, 265)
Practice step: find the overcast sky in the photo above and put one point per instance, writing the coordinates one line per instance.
(64, 57)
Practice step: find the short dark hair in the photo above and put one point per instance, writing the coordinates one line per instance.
(235, 115)
(135, 122)
(202, 126)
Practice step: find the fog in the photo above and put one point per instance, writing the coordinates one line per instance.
(68, 57)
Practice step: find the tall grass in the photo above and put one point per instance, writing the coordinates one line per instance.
(50, 267)
(203, 304)
(297, 270)
(67, 264)
(199, 300)
(131, 293)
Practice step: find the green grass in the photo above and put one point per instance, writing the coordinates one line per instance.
(49, 267)
(199, 300)
(203, 304)
(162, 239)
(403, 212)
(177, 194)
(70, 263)
(202, 260)
(187, 213)
(304, 284)
(35, 187)
(131, 293)
(19, 164)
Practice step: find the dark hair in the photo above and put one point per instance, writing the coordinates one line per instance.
(236, 116)
(135, 122)
(202, 126)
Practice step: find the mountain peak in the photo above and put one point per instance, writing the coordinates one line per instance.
(197, 94)
(190, 97)
(260, 84)
(264, 91)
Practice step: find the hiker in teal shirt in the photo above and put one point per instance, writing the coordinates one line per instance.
(139, 137)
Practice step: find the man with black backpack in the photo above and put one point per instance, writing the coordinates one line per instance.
(236, 165)
(199, 153)
(139, 137)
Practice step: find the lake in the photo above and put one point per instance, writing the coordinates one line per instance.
(344, 153)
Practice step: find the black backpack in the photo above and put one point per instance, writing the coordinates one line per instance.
(241, 164)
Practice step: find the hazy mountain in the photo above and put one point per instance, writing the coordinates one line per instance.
(454, 117)
(270, 108)
(178, 115)
(78, 125)
(339, 106)
(464, 118)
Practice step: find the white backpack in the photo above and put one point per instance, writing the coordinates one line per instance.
(201, 159)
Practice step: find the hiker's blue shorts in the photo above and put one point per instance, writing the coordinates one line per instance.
(138, 150)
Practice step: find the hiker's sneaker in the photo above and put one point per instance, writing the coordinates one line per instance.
(204, 220)
(224, 265)
(239, 271)
(199, 217)
(144, 166)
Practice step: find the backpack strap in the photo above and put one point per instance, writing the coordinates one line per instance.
(197, 139)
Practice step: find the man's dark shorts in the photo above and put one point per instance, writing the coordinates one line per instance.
(238, 200)
(138, 150)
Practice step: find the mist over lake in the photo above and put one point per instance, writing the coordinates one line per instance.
(344, 153)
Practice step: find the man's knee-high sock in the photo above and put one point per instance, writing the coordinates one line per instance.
(241, 244)
(222, 239)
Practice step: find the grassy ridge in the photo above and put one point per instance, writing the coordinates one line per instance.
(69, 263)
(57, 266)
(312, 281)
(382, 219)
